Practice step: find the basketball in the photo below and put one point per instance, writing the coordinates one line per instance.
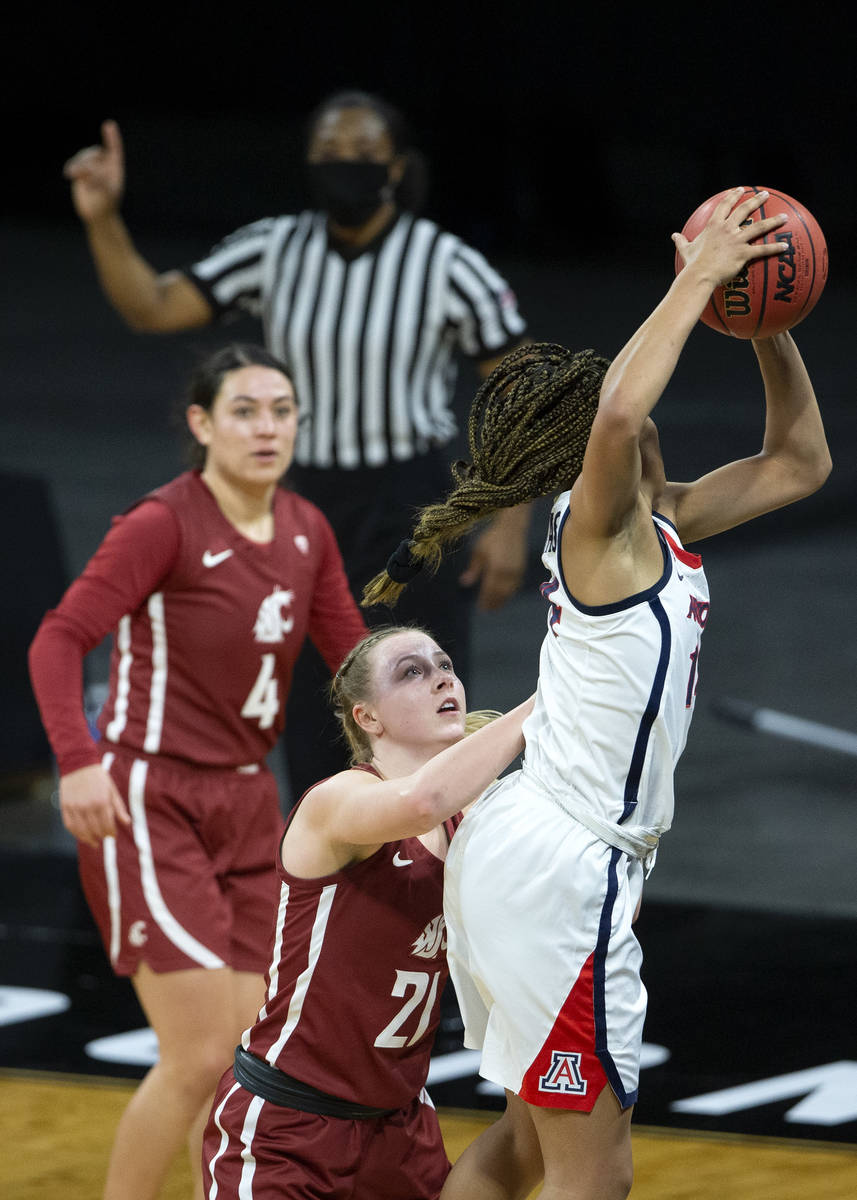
(771, 294)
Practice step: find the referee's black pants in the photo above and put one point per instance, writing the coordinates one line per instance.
(371, 510)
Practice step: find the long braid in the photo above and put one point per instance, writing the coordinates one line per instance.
(527, 434)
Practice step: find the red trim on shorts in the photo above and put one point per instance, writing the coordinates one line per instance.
(566, 1073)
(684, 556)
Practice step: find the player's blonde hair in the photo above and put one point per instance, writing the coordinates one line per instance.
(352, 684)
(528, 429)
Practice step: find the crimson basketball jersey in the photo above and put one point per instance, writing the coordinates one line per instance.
(207, 627)
(358, 968)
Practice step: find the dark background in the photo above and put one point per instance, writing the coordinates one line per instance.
(551, 128)
(566, 143)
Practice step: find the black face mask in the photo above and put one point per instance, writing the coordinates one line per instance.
(349, 192)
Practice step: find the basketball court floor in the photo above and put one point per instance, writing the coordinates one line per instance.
(749, 922)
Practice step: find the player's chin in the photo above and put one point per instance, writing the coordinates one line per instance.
(452, 725)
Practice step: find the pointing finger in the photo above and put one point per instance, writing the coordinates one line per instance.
(112, 138)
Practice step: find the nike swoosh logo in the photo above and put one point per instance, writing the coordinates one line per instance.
(398, 861)
(212, 560)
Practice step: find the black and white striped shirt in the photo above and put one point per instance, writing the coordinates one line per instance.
(370, 340)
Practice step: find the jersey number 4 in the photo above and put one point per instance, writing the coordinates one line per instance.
(425, 988)
(263, 702)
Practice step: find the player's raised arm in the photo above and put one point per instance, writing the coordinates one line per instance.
(146, 300)
(608, 489)
(794, 460)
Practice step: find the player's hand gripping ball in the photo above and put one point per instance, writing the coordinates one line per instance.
(774, 293)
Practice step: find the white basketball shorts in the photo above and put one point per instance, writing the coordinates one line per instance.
(545, 963)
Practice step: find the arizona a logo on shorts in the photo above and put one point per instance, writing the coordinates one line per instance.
(564, 1074)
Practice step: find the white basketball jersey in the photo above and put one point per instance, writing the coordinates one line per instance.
(617, 684)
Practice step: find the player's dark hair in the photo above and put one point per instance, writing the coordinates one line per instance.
(527, 433)
(207, 379)
(412, 188)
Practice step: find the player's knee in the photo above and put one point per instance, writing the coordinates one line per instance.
(198, 1071)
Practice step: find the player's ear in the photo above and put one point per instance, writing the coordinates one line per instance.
(199, 423)
(366, 719)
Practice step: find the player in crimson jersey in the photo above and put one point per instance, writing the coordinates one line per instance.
(326, 1096)
(544, 877)
(210, 584)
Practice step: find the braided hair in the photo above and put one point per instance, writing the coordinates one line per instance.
(528, 429)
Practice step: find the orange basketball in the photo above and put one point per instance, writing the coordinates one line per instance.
(771, 294)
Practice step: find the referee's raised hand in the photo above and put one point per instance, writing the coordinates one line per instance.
(97, 175)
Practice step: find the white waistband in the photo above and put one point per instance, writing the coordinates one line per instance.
(636, 840)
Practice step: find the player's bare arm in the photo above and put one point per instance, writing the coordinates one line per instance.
(793, 462)
(347, 817)
(147, 300)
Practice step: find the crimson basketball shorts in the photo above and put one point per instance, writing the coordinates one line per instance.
(263, 1151)
(192, 881)
(545, 964)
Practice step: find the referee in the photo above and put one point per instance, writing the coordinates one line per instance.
(370, 305)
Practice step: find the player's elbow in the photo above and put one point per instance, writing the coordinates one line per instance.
(428, 805)
(619, 416)
(814, 472)
(799, 476)
(823, 468)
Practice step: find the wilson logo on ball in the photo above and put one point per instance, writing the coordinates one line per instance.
(771, 294)
(736, 295)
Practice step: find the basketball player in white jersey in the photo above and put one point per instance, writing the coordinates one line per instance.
(545, 875)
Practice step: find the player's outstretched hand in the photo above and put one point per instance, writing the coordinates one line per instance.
(729, 239)
(91, 805)
(97, 175)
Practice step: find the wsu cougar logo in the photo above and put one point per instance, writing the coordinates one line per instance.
(271, 624)
(432, 939)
